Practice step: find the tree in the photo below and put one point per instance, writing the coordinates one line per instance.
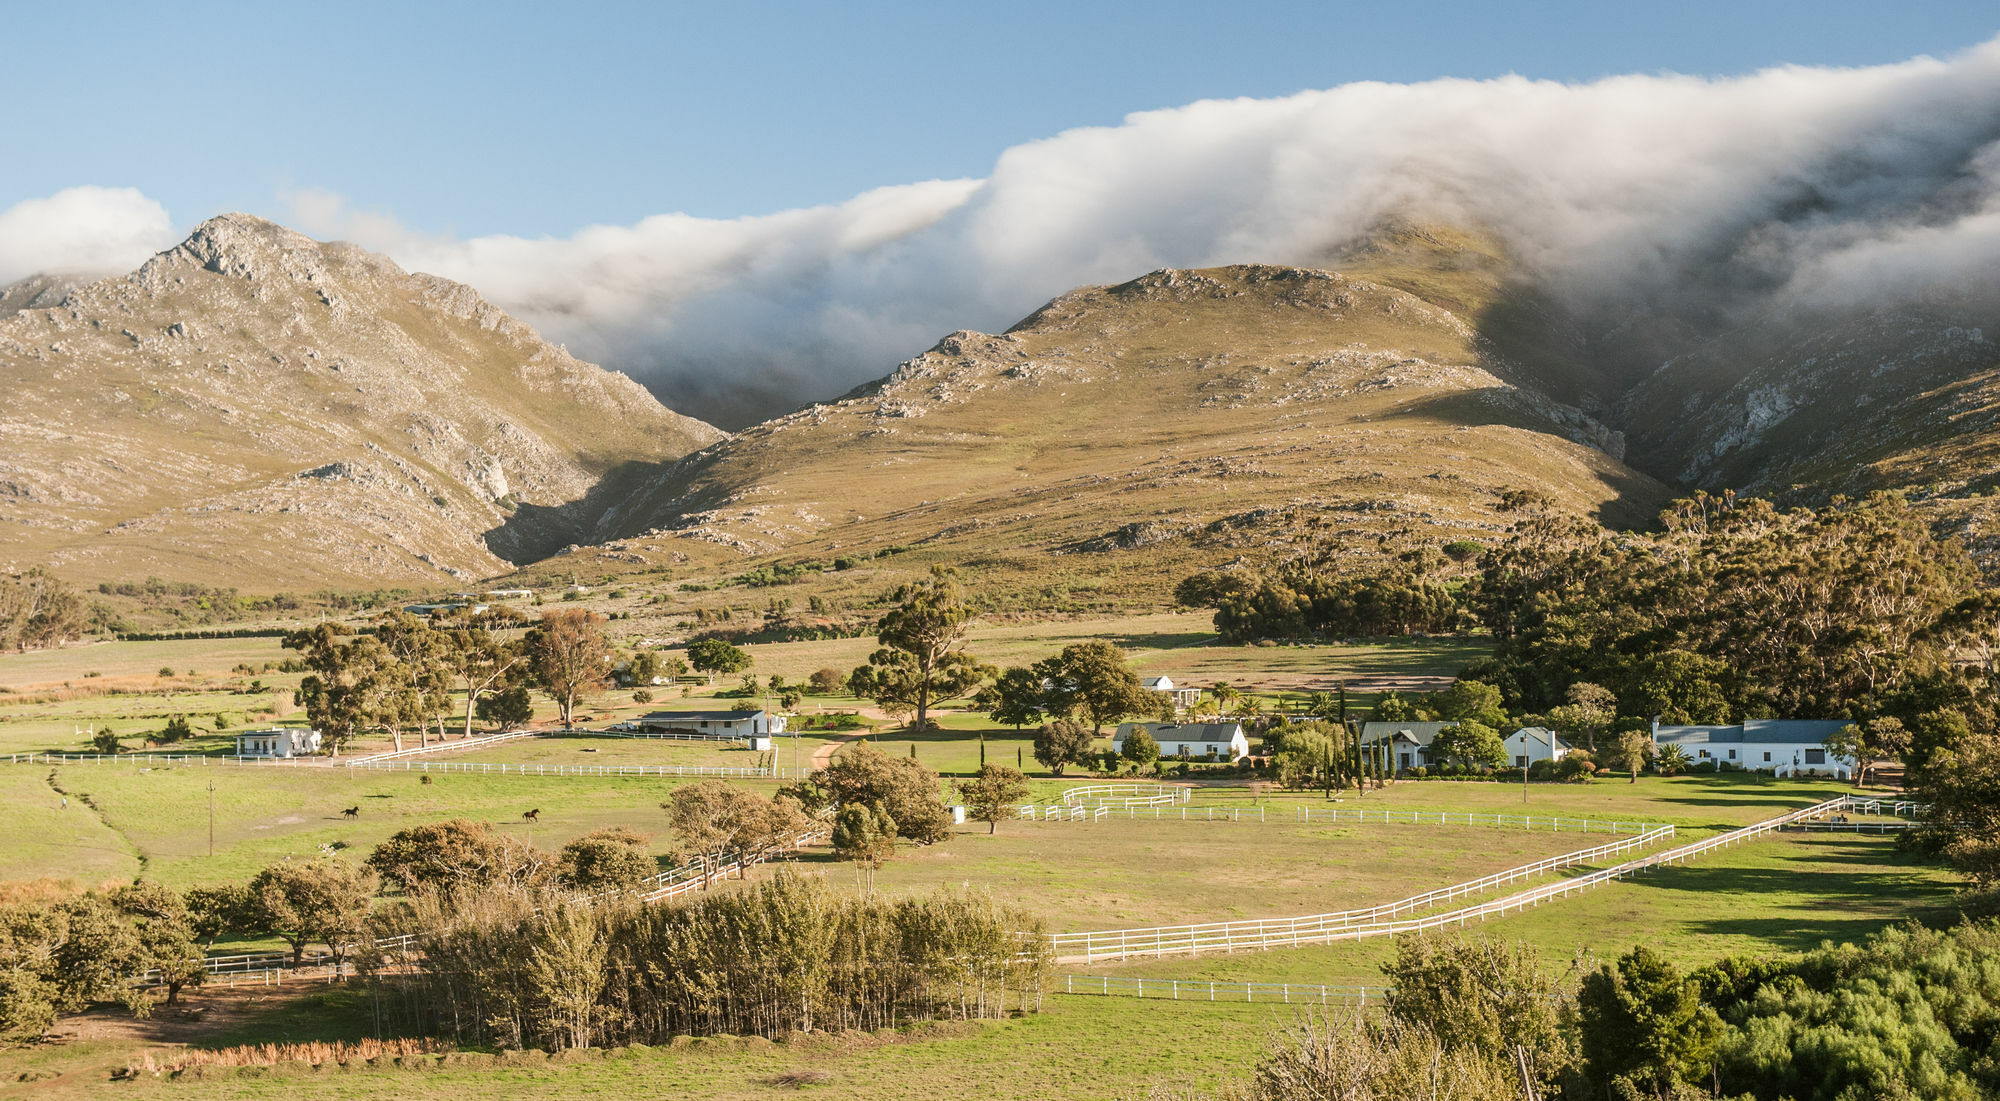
(176, 730)
(645, 668)
(303, 901)
(217, 912)
(1014, 698)
(568, 656)
(106, 742)
(993, 794)
(700, 815)
(1634, 747)
(1062, 743)
(38, 611)
(1393, 708)
(1588, 711)
(1681, 687)
(345, 678)
(167, 942)
(1672, 760)
(898, 786)
(865, 835)
(457, 854)
(566, 971)
(1867, 744)
(1313, 754)
(1498, 1004)
(1642, 1023)
(1956, 770)
(507, 708)
(1091, 679)
(417, 676)
(612, 859)
(827, 682)
(481, 663)
(710, 656)
(1470, 743)
(920, 663)
(1470, 701)
(1139, 747)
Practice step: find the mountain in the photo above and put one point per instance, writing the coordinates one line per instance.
(36, 292)
(259, 409)
(1122, 435)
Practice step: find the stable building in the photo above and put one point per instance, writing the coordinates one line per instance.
(1785, 746)
(1535, 743)
(1401, 745)
(286, 741)
(1220, 741)
(722, 725)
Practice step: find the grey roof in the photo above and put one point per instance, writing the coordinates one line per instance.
(688, 716)
(1762, 731)
(1422, 734)
(1186, 732)
(1545, 736)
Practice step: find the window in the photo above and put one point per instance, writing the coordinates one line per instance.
(1704, 754)
(1815, 756)
(1184, 749)
(1732, 754)
(1767, 754)
(1405, 759)
(1520, 761)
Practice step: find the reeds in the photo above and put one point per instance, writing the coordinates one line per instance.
(316, 1052)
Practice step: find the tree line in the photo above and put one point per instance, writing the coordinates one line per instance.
(1910, 1013)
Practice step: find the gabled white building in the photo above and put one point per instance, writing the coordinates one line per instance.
(1184, 697)
(1535, 743)
(712, 724)
(283, 741)
(1222, 741)
(1786, 746)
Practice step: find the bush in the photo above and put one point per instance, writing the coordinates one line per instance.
(1704, 767)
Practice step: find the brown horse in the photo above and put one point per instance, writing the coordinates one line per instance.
(352, 812)
(533, 815)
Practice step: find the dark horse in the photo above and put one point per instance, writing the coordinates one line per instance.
(352, 812)
(533, 815)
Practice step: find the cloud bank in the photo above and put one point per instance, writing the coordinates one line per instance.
(1793, 186)
(82, 231)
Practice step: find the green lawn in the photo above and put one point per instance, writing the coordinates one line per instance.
(207, 656)
(266, 814)
(587, 752)
(1117, 874)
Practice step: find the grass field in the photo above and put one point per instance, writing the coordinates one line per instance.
(1114, 874)
(266, 814)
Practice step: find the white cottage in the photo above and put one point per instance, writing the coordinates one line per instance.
(1222, 741)
(284, 741)
(1785, 746)
(1535, 743)
(1184, 697)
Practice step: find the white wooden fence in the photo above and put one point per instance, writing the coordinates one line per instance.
(509, 769)
(1234, 936)
(1468, 818)
(1128, 795)
(441, 746)
(1203, 990)
(1123, 944)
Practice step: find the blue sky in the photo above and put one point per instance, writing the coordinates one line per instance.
(532, 119)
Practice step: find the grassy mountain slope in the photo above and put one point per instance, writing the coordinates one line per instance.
(1127, 434)
(258, 409)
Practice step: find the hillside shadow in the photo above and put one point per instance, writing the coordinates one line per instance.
(1637, 498)
(535, 532)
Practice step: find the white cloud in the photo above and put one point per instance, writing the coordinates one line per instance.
(1662, 192)
(83, 231)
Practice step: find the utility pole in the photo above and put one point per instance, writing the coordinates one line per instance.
(211, 816)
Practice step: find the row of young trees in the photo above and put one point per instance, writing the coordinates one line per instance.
(1912, 1013)
(403, 676)
(517, 969)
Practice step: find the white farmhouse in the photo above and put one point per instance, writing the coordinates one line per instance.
(1184, 697)
(283, 741)
(723, 725)
(1786, 746)
(1535, 743)
(1400, 745)
(1222, 741)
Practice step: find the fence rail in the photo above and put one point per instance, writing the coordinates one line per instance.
(442, 746)
(509, 769)
(1128, 795)
(1122, 944)
(1202, 990)
(1467, 818)
(1231, 936)
(203, 759)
